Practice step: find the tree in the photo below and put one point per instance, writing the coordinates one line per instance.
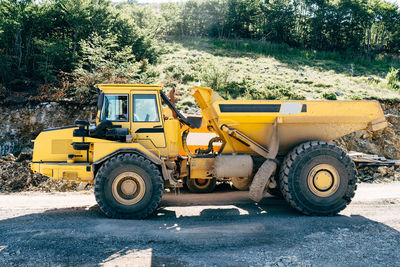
(41, 39)
(279, 21)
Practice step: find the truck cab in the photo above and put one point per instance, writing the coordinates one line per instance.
(130, 118)
(139, 110)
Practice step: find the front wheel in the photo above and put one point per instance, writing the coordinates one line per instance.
(318, 178)
(128, 186)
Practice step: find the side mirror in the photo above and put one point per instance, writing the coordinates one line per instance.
(100, 101)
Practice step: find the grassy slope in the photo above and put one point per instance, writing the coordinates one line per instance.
(272, 67)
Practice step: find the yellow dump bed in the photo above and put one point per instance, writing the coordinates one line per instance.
(298, 120)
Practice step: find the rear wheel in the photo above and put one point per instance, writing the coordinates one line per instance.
(201, 185)
(128, 186)
(318, 178)
(241, 183)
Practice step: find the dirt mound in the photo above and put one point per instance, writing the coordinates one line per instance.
(383, 143)
(16, 176)
(379, 174)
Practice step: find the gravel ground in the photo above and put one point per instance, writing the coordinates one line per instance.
(221, 229)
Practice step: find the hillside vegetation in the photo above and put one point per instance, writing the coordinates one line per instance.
(236, 73)
(278, 49)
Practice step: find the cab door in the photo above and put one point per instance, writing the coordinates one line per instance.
(147, 121)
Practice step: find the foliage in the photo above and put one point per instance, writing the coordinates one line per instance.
(247, 90)
(331, 25)
(103, 60)
(393, 78)
(63, 47)
(215, 76)
(294, 75)
(274, 91)
(40, 39)
(234, 89)
(329, 96)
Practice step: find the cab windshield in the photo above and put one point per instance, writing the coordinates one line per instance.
(115, 108)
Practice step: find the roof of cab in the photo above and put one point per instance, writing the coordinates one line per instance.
(128, 87)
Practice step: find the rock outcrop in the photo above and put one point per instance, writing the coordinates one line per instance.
(22, 122)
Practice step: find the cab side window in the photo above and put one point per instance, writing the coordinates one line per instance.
(145, 108)
(115, 108)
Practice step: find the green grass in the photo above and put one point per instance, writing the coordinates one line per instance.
(255, 70)
(362, 65)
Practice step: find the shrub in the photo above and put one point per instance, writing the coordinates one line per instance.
(247, 90)
(393, 78)
(215, 76)
(188, 77)
(3, 91)
(151, 75)
(103, 61)
(282, 92)
(235, 89)
(329, 96)
(182, 72)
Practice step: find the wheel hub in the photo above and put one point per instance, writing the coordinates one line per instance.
(128, 188)
(323, 180)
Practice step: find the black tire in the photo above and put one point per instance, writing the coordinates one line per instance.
(297, 178)
(276, 192)
(149, 186)
(195, 186)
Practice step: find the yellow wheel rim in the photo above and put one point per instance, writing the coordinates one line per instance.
(323, 180)
(128, 188)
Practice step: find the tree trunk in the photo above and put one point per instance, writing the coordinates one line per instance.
(75, 40)
(369, 39)
(18, 48)
(28, 47)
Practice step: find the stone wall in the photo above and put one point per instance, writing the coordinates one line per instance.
(22, 122)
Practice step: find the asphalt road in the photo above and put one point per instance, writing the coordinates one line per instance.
(219, 229)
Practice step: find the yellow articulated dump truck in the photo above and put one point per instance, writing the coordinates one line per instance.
(139, 146)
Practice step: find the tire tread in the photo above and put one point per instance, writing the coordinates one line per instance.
(115, 162)
(295, 155)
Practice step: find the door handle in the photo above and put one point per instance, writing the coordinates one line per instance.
(157, 126)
